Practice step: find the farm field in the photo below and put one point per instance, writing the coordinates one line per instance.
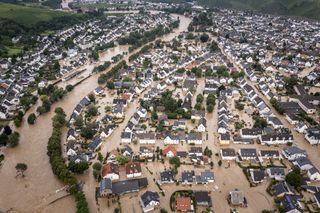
(27, 15)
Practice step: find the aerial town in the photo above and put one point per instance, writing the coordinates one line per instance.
(150, 109)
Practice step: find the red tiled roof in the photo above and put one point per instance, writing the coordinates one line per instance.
(183, 203)
(168, 149)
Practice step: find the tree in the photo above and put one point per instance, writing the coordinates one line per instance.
(78, 123)
(154, 115)
(91, 97)
(239, 106)
(3, 139)
(92, 111)
(96, 174)
(95, 55)
(122, 159)
(238, 125)
(175, 161)
(17, 122)
(214, 46)
(21, 168)
(87, 132)
(13, 139)
(277, 106)
(198, 106)
(32, 118)
(204, 38)
(207, 152)
(220, 163)
(79, 167)
(211, 99)
(163, 211)
(210, 108)
(97, 166)
(200, 98)
(7, 130)
(100, 157)
(259, 122)
(290, 82)
(294, 178)
(69, 87)
(110, 85)
(82, 205)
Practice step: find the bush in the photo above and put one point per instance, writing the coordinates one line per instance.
(13, 139)
(32, 118)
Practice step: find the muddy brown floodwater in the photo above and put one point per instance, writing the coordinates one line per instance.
(34, 192)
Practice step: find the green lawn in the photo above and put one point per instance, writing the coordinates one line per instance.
(27, 15)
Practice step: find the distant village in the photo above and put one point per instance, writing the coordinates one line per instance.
(223, 116)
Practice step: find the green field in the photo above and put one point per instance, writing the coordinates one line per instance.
(14, 50)
(27, 15)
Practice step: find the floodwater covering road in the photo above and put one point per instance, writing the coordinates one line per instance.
(34, 192)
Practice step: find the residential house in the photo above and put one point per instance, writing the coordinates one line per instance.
(146, 138)
(187, 177)
(257, 176)
(126, 137)
(252, 133)
(293, 152)
(95, 144)
(111, 171)
(184, 204)
(275, 122)
(282, 188)
(107, 187)
(194, 138)
(313, 174)
(106, 132)
(171, 139)
(202, 198)
(313, 136)
(169, 151)
(291, 204)
(202, 125)
(303, 163)
(228, 154)
(205, 177)
(248, 154)
(272, 139)
(270, 154)
(133, 169)
(149, 200)
(167, 177)
(224, 139)
(197, 151)
(146, 152)
(276, 172)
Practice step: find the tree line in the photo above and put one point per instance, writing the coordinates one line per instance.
(59, 168)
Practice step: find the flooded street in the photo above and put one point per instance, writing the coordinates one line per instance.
(32, 193)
